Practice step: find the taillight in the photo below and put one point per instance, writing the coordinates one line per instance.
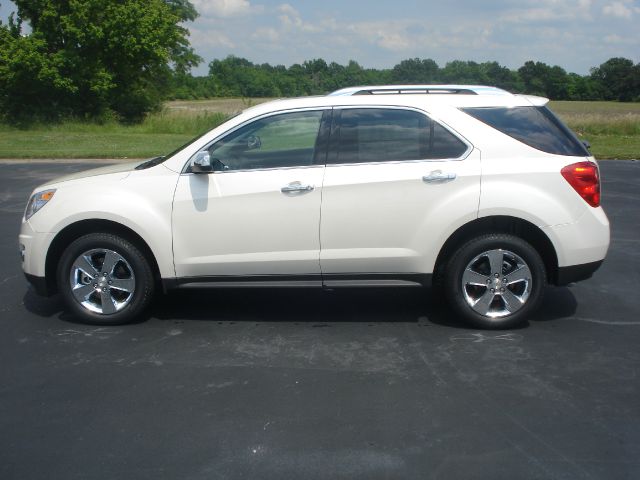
(584, 178)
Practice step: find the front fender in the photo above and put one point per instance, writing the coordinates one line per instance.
(141, 202)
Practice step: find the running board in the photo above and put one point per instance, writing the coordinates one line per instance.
(370, 283)
(300, 281)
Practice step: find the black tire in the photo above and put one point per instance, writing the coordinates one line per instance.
(117, 295)
(482, 298)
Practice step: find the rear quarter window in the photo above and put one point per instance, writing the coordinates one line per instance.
(537, 127)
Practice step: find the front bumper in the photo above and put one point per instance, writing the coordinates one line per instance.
(39, 284)
(33, 252)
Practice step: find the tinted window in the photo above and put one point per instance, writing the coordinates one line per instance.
(379, 135)
(442, 143)
(285, 140)
(537, 127)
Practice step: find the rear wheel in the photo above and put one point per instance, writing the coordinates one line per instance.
(104, 279)
(495, 281)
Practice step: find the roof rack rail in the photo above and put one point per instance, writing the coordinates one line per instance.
(419, 89)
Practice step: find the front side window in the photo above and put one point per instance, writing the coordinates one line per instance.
(381, 135)
(278, 141)
(537, 127)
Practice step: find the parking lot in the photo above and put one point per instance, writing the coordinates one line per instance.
(323, 385)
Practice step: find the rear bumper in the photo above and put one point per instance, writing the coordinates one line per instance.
(575, 273)
(581, 244)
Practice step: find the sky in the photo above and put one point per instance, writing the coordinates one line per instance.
(575, 34)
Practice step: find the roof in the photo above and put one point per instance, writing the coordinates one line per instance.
(420, 96)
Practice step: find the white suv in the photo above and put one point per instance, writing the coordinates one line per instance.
(483, 193)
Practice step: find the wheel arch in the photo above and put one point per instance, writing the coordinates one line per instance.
(523, 229)
(83, 227)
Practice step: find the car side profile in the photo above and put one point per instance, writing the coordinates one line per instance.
(486, 194)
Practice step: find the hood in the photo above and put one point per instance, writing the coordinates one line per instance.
(117, 168)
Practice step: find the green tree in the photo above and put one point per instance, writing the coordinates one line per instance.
(354, 74)
(501, 77)
(317, 71)
(89, 57)
(238, 77)
(583, 88)
(182, 55)
(541, 79)
(533, 77)
(556, 83)
(300, 81)
(619, 78)
(415, 71)
(463, 72)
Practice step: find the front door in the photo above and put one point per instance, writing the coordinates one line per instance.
(258, 213)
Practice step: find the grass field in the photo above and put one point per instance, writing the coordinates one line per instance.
(612, 128)
(158, 134)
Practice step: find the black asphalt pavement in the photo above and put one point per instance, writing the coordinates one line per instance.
(353, 384)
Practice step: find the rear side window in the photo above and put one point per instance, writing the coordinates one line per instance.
(537, 127)
(381, 135)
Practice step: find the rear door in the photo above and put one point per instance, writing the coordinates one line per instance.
(395, 182)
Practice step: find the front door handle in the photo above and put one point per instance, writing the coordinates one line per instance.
(438, 176)
(297, 187)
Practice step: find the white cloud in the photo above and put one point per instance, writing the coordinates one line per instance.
(225, 8)
(619, 9)
(291, 19)
(287, 9)
(391, 36)
(550, 10)
(393, 41)
(613, 38)
(619, 41)
(530, 15)
(406, 38)
(266, 34)
(210, 38)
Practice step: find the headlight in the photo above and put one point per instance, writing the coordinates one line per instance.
(37, 201)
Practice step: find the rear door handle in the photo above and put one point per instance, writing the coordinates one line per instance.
(438, 176)
(297, 187)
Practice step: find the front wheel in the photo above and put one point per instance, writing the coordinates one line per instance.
(104, 279)
(495, 281)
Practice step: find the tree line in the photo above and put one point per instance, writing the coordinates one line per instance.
(101, 59)
(616, 79)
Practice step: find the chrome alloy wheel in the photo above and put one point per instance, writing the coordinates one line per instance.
(496, 283)
(102, 281)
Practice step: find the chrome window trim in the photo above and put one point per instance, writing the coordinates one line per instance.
(398, 162)
(244, 170)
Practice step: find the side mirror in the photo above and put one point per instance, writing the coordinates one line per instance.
(201, 162)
